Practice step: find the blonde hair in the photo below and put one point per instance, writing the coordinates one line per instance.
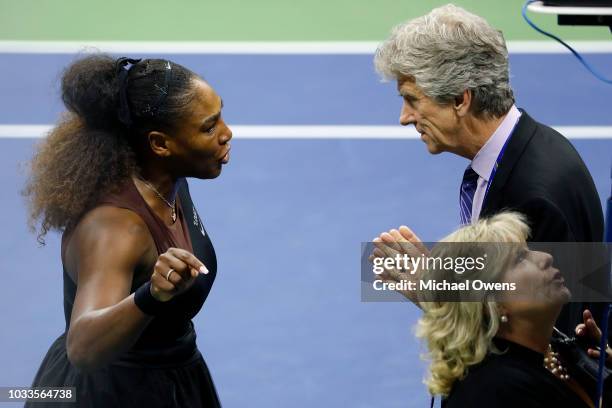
(460, 334)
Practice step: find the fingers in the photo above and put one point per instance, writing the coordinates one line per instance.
(160, 284)
(174, 272)
(390, 274)
(408, 247)
(581, 329)
(408, 234)
(381, 251)
(411, 237)
(397, 276)
(593, 353)
(184, 263)
(590, 326)
(590, 329)
(167, 261)
(376, 253)
(593, 328)
(177, 280)
(404, 240)
(396, 235)
(386, 247)
(189, 259)
(405, 246)
(396, 242)
(390, 242)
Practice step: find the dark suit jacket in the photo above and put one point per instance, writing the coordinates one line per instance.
(542, 176)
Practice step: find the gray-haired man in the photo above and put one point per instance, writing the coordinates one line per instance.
(451, 69)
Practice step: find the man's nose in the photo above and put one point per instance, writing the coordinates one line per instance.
(407, 115)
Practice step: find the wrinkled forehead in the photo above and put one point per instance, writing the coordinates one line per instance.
(407, 84)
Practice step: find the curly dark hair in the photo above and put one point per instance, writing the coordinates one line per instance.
(91, 151)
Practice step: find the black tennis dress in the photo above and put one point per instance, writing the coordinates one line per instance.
(164, 367)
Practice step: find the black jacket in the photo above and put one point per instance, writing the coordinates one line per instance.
(542, 176)
(515, 378)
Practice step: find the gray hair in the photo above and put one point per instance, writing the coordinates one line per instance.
(446, 52)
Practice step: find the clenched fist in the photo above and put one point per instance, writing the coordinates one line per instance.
(175, 271)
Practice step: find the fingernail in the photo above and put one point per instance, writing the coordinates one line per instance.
(203, 270)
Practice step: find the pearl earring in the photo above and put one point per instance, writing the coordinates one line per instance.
(503, 319)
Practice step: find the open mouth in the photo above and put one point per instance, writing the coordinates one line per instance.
(421, 132)
(226, 157)
(558, 277)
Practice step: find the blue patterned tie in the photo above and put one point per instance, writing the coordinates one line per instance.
(466, 195)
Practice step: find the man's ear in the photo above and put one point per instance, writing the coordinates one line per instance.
(158, 142)
(463, 103)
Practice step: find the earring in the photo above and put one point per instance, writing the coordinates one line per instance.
(503, 319)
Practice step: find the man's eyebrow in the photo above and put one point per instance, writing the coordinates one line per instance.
(408, 95)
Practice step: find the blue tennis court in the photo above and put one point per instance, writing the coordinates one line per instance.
(284, 325)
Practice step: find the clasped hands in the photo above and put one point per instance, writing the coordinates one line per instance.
(401, 241)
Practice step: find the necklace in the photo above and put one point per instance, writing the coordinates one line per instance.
(172, 204)
(553, 364)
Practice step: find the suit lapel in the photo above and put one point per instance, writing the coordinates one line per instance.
(520, 137)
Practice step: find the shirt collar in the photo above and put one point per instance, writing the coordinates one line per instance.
(485, 159)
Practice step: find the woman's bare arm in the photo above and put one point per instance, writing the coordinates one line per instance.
(105, 249)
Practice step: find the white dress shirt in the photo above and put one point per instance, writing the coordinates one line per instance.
(484, 161)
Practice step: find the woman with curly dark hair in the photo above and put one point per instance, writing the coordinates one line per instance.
(138, 264)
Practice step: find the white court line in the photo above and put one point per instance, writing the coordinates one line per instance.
(320, 132)
(262, 47)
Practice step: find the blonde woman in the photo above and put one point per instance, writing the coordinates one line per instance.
(496, 352)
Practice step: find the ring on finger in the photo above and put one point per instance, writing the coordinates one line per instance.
(169, 273)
